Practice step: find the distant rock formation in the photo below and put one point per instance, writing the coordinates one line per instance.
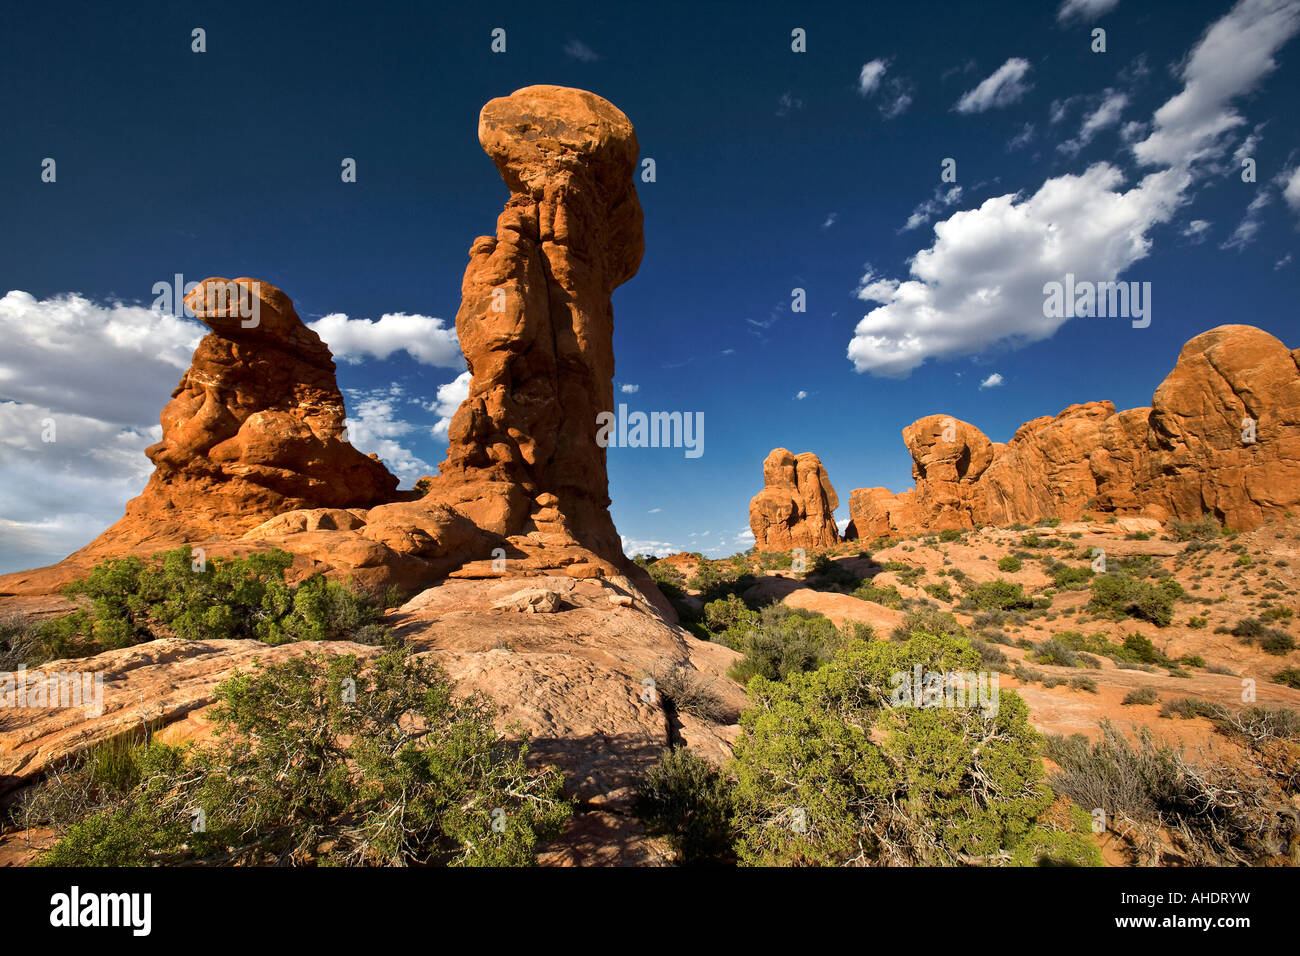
(1222, 437)
(796, 508)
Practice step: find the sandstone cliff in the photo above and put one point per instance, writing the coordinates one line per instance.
(796, 508)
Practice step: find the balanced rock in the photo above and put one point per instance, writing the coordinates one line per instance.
(796, 508)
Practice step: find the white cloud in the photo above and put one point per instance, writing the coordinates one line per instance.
(1084, 9)
(1283, 262)
(373, 427)
(1005, 86)
(1233, 55)
(426, 339)
(1251, 223)
(1291, 189)
(629, 389)
(101, 374)
(800, 395)
(1021, 139)
(450, 397)
(830, 220)
(787, 104)
(927, 210)
(115, 363)
(660, 549)
(993, 381)
(1196, 229)
(577, 50)
(870, 77)
(981, 281)
(1106, 114)
(654, 511)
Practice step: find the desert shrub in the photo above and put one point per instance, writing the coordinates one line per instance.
(930, 621)
(998, 595)
(687, 800)
(317, 761)
(685, 689)
(885, 594)
(1206, 528)
(991, 656)
(1277, 642)
(1084, 683)
(1162, 804)
(19, 641)
(1251, 630)
(1042, 846)
(785, 641)
(941, 592)
(726, 613)
(827, 574)
(829, 773)
(1187, 708)
(132, 600)
(1119, 595)
(950, 534)
(1070, 578)
(1142, 695)
(1196, 623)
(1030, 541)
(1055, 652)
(1009, 564)
(1289, 676)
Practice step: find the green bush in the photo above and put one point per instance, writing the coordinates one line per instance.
(132, 600)
(1067, 577)
(999, 595)
(686, 799)
(885, 594)
(316, 761)
(726, 613)
(1009, 564)
(1204, 529)
(785, 641)
(827, 773)
(1142, 695)
(1118, 595)
(1290, 676)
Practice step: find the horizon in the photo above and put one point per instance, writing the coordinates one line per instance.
(1054, 144)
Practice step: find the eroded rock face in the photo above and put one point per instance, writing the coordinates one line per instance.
(254, 429)
(796, 508)
(535, 321)
(1185, 456)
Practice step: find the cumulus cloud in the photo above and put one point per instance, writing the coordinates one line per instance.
(97, 375)
(660, 549)
(870, 77)
(1005, 86)
(373, 426)
(629, 389)
(993, 381)
(115, 363)
(800, 395)
(981, 282)
(1233, 55)
(450, 397)
(426, 339)
(1073, 10)
(1195, 230)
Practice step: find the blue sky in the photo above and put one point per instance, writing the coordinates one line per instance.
(775, 170)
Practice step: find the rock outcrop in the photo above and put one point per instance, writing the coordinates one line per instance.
(796, 508)
(252, 455)
(1222, 437)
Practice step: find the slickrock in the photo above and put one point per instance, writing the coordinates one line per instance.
(1222, 437)
(796, 508)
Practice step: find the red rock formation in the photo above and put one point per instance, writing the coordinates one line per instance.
(796, 508)
(1183, 457)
